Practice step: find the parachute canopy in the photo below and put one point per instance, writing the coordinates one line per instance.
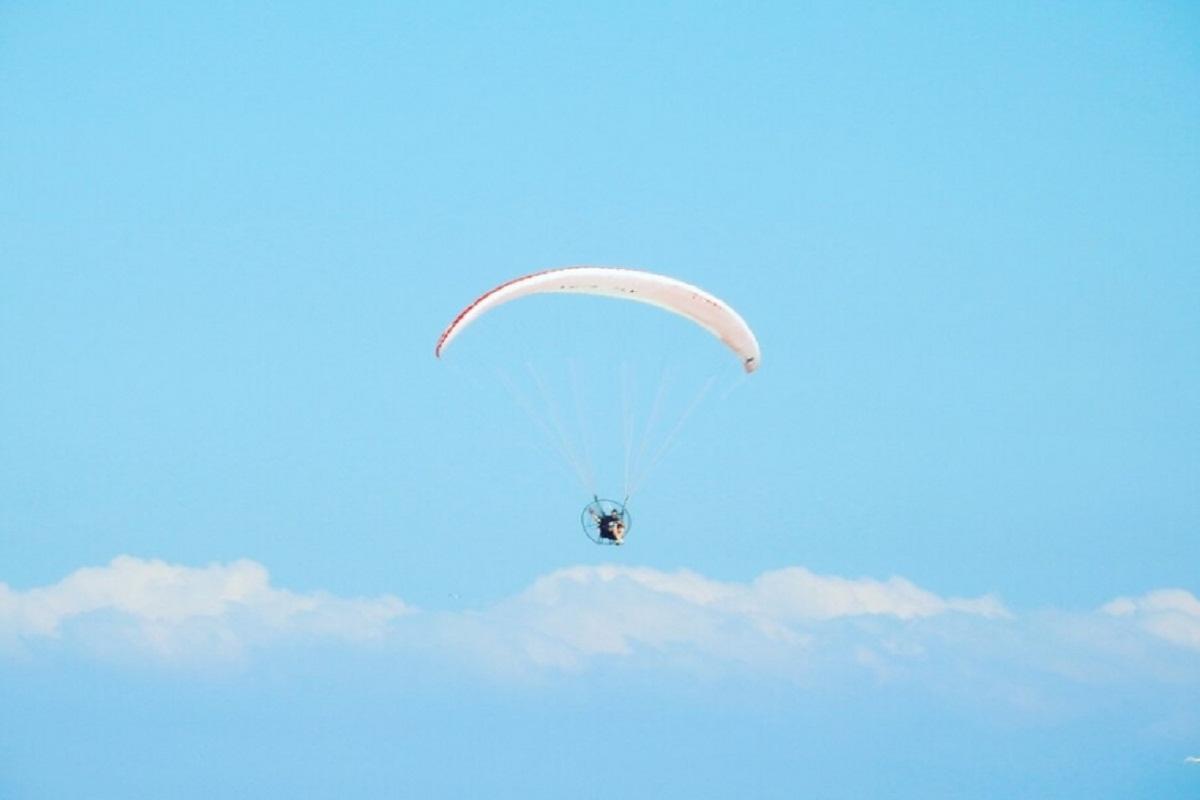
(667, 293)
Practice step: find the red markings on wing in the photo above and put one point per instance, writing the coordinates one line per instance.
(437, 351)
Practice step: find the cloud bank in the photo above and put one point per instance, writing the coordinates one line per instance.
(174, 612)
(1170, 614)
(776, 622)
(789, 623)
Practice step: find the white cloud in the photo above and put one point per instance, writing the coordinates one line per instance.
(574, 614)
(790, 593)
(174, 611)
(1170, 614)
(797, 593)
(789, 622)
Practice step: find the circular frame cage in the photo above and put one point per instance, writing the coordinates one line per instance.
(593, 520)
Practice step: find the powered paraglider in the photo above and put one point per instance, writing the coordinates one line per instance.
(607, 521)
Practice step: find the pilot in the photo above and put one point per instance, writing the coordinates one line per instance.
(612, 527)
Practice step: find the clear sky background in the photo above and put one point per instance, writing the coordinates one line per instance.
(255, 541)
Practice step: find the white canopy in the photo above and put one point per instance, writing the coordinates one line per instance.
(673, 295)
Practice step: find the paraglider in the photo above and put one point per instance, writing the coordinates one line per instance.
(607, 521)
(639, 286)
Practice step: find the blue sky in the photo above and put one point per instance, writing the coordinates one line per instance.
(255, 539)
